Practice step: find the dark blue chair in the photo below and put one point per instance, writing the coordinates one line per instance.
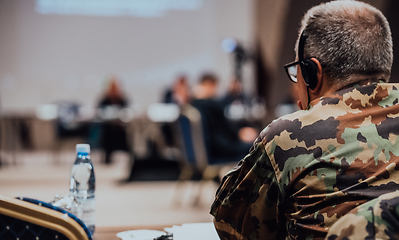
(194, 152)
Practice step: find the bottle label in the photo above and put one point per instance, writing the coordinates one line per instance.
(88, 207)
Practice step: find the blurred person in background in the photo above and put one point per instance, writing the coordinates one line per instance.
(112, 133)
(225, 141)
(179, 93)
(113, 96)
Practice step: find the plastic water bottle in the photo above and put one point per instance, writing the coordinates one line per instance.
(82, 186)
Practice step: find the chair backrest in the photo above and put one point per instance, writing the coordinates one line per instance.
(33, 219)
(192, 137)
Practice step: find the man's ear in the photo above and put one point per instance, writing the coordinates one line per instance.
(320, 79)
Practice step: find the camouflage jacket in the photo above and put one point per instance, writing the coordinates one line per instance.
(375, 219)
(309, 168)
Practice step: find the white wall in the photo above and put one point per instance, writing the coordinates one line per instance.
(48, 58)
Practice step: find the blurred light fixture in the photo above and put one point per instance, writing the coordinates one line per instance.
(229, 44)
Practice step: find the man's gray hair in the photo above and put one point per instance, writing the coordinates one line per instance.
(349, 38)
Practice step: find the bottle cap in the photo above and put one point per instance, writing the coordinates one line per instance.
(83, 148)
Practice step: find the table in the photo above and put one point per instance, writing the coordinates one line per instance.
(185, 231)
(109, 233)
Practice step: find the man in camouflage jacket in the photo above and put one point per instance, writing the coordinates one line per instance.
(308, 169)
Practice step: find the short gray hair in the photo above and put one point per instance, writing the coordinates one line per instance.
(349, 38)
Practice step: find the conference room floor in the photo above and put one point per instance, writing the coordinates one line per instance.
(35, 174)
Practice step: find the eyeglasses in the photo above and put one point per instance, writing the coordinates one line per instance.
(292, 71)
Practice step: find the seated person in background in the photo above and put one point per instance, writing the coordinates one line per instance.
(178, 94)
(308, 169)
(113, 96)
(224, 141)
(113, 135)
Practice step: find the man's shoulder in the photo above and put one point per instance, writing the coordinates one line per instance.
(364, 94)
(289, 123)
(326, 110)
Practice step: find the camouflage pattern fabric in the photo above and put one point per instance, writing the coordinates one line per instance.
(309, 168)
(376, 219)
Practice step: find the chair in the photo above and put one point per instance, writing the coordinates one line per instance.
(195, 158)
(30, 219)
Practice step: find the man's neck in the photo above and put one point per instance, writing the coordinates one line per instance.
(362, 80)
